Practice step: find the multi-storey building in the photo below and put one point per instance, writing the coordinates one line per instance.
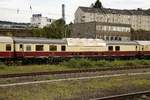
(138, 19)
(106, 31)
(38, 21)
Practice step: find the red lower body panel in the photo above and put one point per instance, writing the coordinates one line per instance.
(71, 54)
(6, 54)
(68, 54)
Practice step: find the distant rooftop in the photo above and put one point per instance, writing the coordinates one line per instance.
(12, 23)
(138, 11)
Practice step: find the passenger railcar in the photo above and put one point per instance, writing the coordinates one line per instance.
(6, 47)
(49, 50)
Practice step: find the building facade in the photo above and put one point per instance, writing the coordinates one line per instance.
(101, 30)
(38, 21)
(138, 19)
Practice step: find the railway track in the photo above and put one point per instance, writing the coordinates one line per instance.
(70, 71)
(128, 96)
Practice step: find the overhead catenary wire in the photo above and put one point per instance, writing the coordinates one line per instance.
(13, 10)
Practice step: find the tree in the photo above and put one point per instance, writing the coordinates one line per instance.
(97, 4)
(58, 29)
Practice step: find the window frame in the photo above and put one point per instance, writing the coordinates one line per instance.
(9, 48)
(112, 48)
(52, 47)
(27, 48)
(117, 48)
(63, 48)
(42, 46)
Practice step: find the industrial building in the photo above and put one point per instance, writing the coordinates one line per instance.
(101, 30)
(110, 24)
(38, 21)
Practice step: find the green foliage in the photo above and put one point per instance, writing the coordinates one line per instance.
(102, 63)
(130, 63)
(97, 4)
(140, 34)
(58, 29)
(78, 63)
(83, 89)
(73, 64)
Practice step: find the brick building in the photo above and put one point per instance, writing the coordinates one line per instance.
(106, 31)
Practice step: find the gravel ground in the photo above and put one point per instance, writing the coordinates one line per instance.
(73, 75)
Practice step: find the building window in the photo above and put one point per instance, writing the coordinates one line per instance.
(107, 38)
(120, 39)
(111, 38)
(110, 48)
(8, 47)
(117, 48)
(63, 48)
(116, 38)
(39, 47)
(52, 48)
(83, 16)
(28, 48)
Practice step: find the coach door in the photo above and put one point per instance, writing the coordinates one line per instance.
(21, 50)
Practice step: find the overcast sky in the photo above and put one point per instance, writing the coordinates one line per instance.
(19, 10)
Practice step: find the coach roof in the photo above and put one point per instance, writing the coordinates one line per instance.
(122, 43)
(5, 39)
(144, 42)
(34, 40)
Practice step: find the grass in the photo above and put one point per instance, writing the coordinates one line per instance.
(31, 68)
(76, 89)
(72, 64)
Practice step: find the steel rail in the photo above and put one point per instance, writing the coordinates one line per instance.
(124, 96)
(70, 71)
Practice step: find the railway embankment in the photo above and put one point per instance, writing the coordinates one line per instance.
(77, 89)
(74, 64)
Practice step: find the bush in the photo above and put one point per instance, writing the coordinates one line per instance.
(85, 63)
(78, 63)
(118, 63)
(143, 62)
(130, 63)
(102, 63)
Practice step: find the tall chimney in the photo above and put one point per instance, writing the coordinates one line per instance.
(63, 12)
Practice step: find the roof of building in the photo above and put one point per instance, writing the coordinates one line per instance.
(85, 42)
(116, 11)
(5, 39)
(39, 40)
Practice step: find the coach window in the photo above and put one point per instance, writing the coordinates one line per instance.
(117, 48)
(8, 47)
(28, 48)
(39, 47)
(21, 46)
(136, 48)
(110, 48)
(63, 48)
(52, 48)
